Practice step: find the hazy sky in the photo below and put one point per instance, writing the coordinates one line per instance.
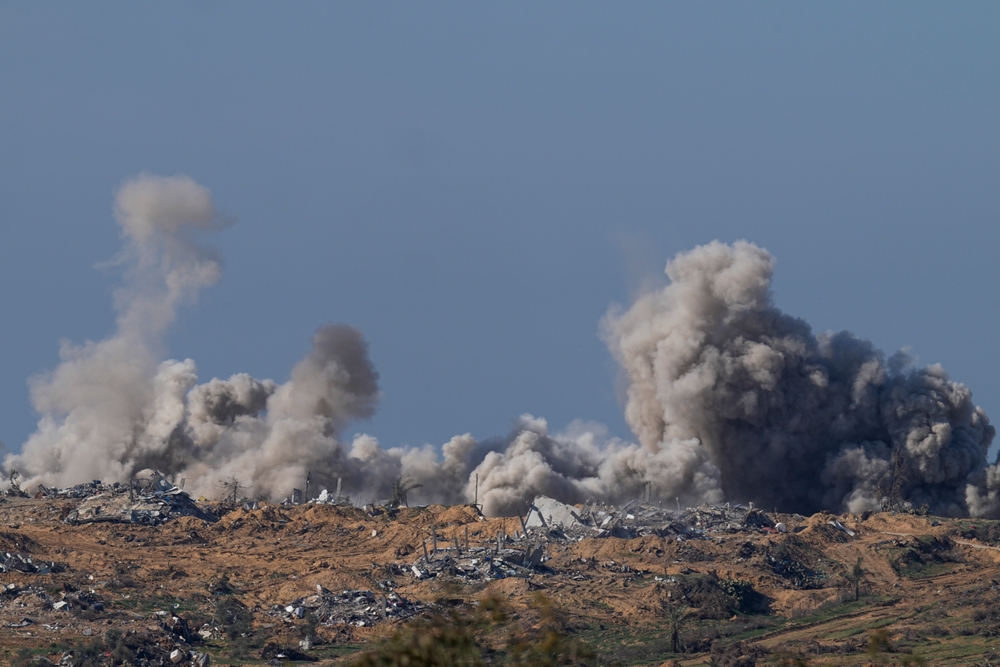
(473, 184)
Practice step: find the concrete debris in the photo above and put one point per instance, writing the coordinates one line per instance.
(24, 563)
(475, 564)
(546, 512)
(839, 526)
(149, 502)
(550, 518)
(178, 627)
(148, 510)
(36, 597)
(327, 498)
(358, 608)
(552, 522)
(77, 602)
(24, 596)
(80, 490)
(80, 612)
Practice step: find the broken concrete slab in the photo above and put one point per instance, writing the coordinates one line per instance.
(548, 512)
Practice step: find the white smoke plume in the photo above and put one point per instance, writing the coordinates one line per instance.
(583, 463)
(93, 402)
(111, 409)
(729, 397)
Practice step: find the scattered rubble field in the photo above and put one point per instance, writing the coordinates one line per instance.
(174, 581)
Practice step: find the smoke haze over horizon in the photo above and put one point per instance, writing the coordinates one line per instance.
(729, 398)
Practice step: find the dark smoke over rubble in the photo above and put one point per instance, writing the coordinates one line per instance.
(790, 419)
(730, 398)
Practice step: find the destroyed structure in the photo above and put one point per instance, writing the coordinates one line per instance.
(14, 562)
(549, 521)
(359, 608)
(149, 500)
(638, 519)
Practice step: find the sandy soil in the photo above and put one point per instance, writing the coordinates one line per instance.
(278, 553)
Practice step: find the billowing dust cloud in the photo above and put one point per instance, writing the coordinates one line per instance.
(111, 409)
(729, 397)
(787, 418)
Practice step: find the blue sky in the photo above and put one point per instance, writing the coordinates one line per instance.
(473, 184)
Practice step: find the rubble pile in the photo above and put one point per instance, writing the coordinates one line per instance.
(37, 598)
(358, 608)
(13, 562)
(480, 563)
(179, 656)
(148, 502)
(640, 519)
(795, 572)
(25, 599)
(79, 601)
(80, 490)
(593, 520)
(551, 522)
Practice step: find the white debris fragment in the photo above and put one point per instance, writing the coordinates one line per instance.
(839, 526)
(547, 511)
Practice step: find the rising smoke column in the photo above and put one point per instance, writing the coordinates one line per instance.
(112, 409)
(109, 405)
(790, 419)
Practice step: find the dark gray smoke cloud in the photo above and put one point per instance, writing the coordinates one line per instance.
(729, 397)
(792, 419)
